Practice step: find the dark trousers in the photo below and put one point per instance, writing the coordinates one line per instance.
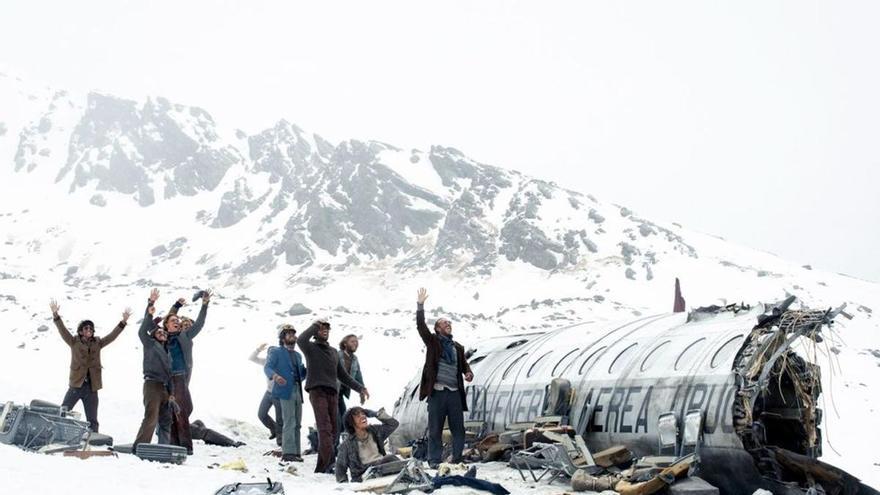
(443, 404)
(155, 398)
(340, 414)
(326, 407)
(275, 426)
(89, 399)
(163, 427)
(180, 433)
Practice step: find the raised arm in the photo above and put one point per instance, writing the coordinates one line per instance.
(421, 326)
(304, 341)
(255, 356)
(200, 320)
(147, 324)
(110, 337)
(389, 424)
(59, 324)
(176, 306)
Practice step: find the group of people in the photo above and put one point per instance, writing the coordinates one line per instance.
(167, 366)
(347, 442)
(324, 373)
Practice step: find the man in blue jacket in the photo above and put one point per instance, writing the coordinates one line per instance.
(284, 366)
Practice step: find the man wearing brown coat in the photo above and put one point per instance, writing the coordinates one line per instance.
(442, 383)
(84, 380)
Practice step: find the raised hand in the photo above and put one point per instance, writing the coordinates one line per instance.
(154, 294)
(262, 346)
(206, 296)
(181, 302)
(126, 314)
(423, 294)
(53, 305)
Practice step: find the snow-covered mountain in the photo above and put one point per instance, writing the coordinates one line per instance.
(103, 198)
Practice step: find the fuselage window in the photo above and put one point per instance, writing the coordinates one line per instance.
(510, 367)
(535, 364)
(689, 352)
(559, 366)
(726, 350)
(622, 358)
(476, 360)
(590, 359)
(655, 353)
(516, 344)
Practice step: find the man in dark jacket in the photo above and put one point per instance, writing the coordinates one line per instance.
(364, 446)
(157, 371)
(84, 380)
(325, 374)
(442, 383)
(284, 367)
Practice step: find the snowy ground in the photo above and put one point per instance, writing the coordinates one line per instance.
(37, 473)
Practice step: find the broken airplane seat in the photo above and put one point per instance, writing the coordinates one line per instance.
(552, 459)
(534, 435)
(41, 428)
(613, 456)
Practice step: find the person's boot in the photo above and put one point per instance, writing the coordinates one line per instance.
(289, 458)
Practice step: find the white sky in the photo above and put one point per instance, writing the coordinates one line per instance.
(758, 121)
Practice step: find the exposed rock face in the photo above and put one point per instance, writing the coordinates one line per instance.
(155, 148)
(306, 201)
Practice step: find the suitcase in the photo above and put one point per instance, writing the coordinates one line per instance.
(124, 448)
(161, 452)
(269, 488)
(100, 440)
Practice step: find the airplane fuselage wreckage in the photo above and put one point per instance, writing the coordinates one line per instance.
(725, 382)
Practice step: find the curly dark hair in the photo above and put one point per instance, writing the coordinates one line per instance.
(349, 417)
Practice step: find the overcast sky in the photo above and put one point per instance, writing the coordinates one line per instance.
(755, 121)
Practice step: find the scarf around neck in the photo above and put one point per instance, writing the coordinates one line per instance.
(448, 354)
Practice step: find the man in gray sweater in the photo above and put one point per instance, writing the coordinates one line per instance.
(157, 371)
(322, 385)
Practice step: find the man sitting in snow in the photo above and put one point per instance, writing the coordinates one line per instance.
(364, 444)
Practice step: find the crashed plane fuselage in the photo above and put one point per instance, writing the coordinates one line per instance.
(757, 396)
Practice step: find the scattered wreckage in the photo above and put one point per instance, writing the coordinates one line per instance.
(48, 428)
(719, 392)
